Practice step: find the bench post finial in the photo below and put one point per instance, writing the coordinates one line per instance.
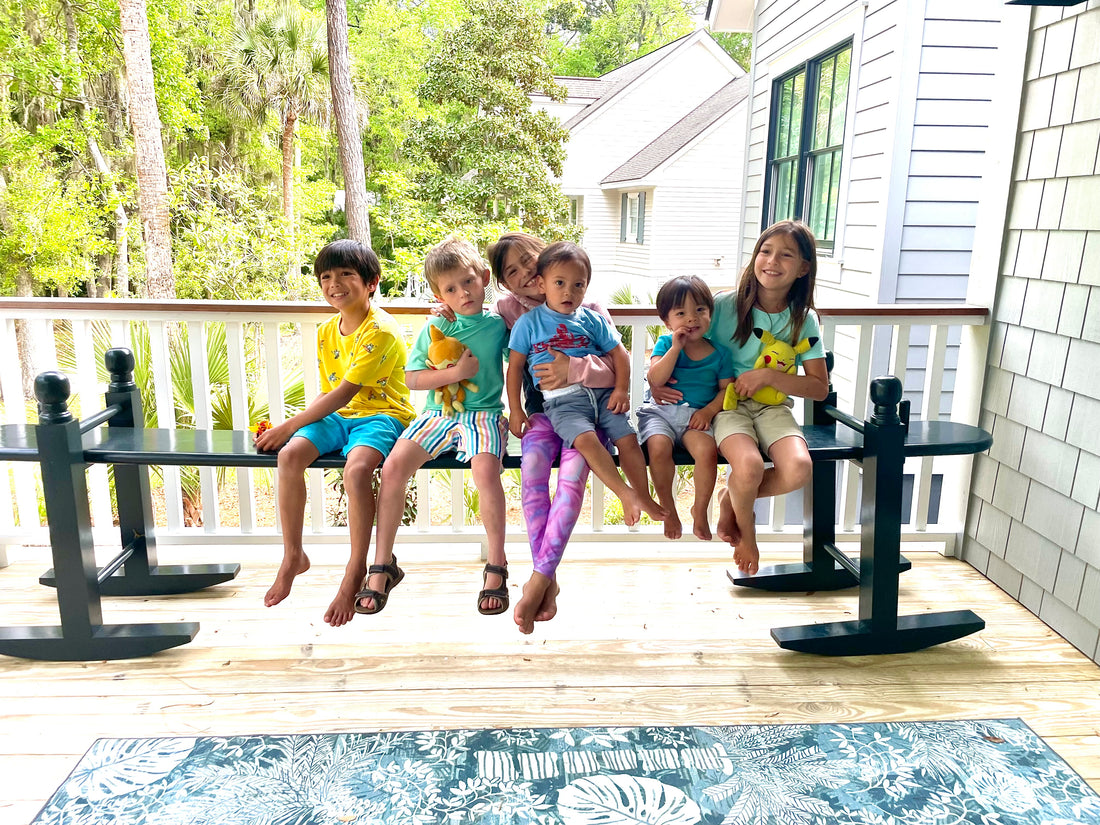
(52, 390)
(886, 395)
(120, 365)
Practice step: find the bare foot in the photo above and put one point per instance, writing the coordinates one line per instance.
(700, 522)
(654, 510)
(529, 605)
(747, 558)
(549, 607)
(342, 609)
(632, 508)
(288, 570)
(727, 521)
(673, 528)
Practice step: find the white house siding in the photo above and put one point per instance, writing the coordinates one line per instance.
(1034, 525)
(694, 207)
(624, 125)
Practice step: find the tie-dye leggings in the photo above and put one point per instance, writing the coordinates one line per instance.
(549, 523)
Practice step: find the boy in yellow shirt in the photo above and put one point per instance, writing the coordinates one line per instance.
(362, 409)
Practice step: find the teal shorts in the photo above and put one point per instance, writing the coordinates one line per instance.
(334, 433)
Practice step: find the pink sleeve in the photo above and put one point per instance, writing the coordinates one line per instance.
(508, 308)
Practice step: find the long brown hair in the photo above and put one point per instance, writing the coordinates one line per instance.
(497, 251)
(800, 298)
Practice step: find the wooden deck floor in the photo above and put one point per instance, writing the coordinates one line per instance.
(646, 639)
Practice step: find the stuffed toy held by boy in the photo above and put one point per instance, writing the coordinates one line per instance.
(775, 355)
(443, 352)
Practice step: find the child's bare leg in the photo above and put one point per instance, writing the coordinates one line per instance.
(663, 472)
(603, 465)
(493, 510)
(746, 473)
(727, 528)
(705, 452)
(406, 458)
(791, 467)
(294, 457)
(358, 482)
(632, 460)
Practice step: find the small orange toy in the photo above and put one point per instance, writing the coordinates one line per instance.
(261, 427)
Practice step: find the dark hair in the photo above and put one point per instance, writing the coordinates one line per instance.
(564, 252)
(348, 254)
(673, 293)
(497, 251)
(800, 298)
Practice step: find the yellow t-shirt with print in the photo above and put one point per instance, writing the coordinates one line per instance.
(373, 356)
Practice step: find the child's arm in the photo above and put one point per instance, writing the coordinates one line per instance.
(593, 371)
(466, 367)
(661, 366)
(324, 404)
(517, 417)
(619, 401)
(813, 384)
(701, 419)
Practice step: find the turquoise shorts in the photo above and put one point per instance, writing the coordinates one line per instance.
(334, 433)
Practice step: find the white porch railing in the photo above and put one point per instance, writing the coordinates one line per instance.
(939, 351)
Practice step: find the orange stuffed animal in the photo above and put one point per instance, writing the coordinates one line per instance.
(444, 352)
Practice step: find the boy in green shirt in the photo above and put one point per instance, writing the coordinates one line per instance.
(457, 275)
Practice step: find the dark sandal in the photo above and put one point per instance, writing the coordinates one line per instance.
(394, 575)
(499, 593)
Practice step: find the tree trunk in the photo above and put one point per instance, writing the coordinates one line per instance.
(289, 123)
(152, 175)
(347, 122)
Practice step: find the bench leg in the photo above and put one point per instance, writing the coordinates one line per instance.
(859, 638)
(140, 575)
(82, 635)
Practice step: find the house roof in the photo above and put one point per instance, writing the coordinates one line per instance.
(589, 87)
(681, 133)
(620, 78)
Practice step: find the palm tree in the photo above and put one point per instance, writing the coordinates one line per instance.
(279, 63)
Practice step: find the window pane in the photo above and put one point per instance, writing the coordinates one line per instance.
(840, 97)
(797, 102)
(824, 105)
(824, 195)
(784, 190)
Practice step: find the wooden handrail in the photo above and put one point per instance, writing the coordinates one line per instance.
(59, 307)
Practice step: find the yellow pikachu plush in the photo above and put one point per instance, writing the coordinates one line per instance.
(776, 355)
(444, 352)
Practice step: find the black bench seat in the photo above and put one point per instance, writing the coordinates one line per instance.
(64, 446)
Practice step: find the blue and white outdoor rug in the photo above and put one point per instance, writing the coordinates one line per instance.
(994, 771)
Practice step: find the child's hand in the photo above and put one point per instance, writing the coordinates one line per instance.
(700, 419)
(618, 401)
(749, 383)
(269, 439)
(666, 393)
(517, 423)
(679, 338)
(466, 366)
(552, 375)
(441, 310)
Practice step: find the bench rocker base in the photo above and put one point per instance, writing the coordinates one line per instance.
(110, 641)
(791, 578)
(160, 580)
(859, 638)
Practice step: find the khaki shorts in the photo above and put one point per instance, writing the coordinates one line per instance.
(765, 423)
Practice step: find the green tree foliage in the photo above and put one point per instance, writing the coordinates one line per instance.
(596, 36)
(485, 153)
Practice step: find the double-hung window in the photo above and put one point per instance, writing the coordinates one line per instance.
(806, 142)
(632, 218)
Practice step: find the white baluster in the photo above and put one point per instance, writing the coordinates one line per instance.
(238, 397)
(200, 391)
(311, 382)
(164, 394)
(933, 383)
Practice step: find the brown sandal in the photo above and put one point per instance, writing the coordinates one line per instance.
(394, 575)
(499, 593)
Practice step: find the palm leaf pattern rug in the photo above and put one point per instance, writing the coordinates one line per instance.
(913, 773)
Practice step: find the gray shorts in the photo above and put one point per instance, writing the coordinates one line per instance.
(585, 411)
(669, 420)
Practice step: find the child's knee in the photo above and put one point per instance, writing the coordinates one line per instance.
(658, 445)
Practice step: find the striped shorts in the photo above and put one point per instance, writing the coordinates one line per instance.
(466, 433)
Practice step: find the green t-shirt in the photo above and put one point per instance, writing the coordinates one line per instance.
(487, 337)
(724, 323)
